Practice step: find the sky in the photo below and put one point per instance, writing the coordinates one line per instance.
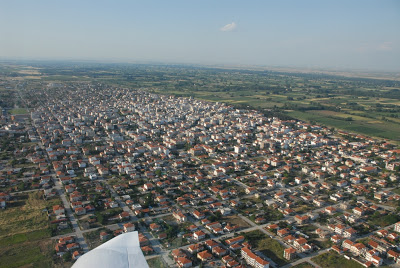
(335, 34)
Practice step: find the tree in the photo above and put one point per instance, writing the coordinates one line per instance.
(171, 231)
(21, 186)
(67, 256)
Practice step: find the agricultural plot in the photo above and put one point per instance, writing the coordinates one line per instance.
(356, 124)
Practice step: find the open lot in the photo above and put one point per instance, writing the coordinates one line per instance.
(271, 248)
(156, 262)
(32, 252)
(235, 220)
(18, 111)
(93, 238)
(268, 246)
(334, 260)
(26, 214)
(304, 265)
(25, 233)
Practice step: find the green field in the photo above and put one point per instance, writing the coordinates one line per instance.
(34, 248)
(156, 262)
(383, 221)
(333, 260)
(34, 254)
(304, 265)
(268, 246)
(25, 215)
(273, 250)
(19, 111)
(25, 233)
(93, 238)
(358, 124)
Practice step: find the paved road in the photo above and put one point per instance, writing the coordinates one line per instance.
(241, 183)
(121, 204)
(379, 205)
(26, 191)
(77, 230)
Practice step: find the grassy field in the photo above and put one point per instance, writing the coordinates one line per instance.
(304, 265)
(236, 220)
(273, 250)
(19, 111)
(93, 238)
(156, 262)
(268, 246)
(175, 242)
(334, 260)
(33, 249)
(27, 254)
(25, 233)
(322, 243)
(396, 191)
(383, 221)
(358, 124)
(25, 215)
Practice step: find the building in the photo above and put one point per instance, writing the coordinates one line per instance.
(289, 253)
(184, 262)
(234, 240)
(179, 216)
(253, 260)
(397, 227)
(58, 210)
(199, 235)
(204, 255)
(129, 227)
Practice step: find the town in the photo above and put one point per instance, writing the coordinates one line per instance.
(204, 183)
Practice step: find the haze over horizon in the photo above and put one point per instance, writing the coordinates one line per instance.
(314, 34)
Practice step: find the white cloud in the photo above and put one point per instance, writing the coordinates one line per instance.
(229, 27)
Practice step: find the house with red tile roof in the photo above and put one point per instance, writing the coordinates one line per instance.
(204, 255)
(289, 253)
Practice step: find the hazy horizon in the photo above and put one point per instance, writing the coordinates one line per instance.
(351, 35)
